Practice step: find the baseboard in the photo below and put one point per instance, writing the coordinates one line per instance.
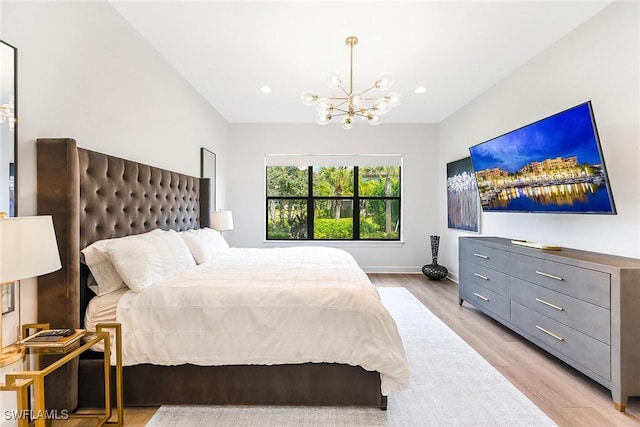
(391, 269)
(402, 270)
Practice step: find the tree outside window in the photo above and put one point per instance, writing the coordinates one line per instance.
(343, 202)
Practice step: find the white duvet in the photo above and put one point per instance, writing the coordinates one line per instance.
(265, 306)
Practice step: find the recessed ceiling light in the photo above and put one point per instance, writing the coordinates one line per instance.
(420, 89)
(266, 89)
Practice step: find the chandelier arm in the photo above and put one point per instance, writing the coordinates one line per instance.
(341, 110)
(344, 113)
(367, 90)
(341, 104)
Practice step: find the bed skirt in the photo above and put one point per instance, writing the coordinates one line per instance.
(309, 384)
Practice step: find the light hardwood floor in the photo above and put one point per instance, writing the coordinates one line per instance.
(564, 394)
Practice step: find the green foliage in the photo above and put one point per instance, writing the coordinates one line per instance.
(379, 181)
(287, 219)
(333, 181)
(287, 181)
(378, 219)
(332, 228)
(369, 229)
(278, 234)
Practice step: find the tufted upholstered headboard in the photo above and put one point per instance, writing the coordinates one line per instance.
(119, 197)
(94, 196)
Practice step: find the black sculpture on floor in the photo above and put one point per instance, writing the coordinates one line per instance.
(434, 271)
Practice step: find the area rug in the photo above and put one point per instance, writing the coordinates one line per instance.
(451, 385)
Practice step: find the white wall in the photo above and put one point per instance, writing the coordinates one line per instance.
(599, 61)
(416, 143)
(85, 73)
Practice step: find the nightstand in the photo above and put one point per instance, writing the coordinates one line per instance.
(34, 377)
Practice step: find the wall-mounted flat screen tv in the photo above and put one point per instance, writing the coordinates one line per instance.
(554, 165)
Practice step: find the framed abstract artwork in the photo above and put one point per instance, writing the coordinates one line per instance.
(463, 207)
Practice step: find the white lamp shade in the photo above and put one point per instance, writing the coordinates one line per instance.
(28, 248)
(222, 220)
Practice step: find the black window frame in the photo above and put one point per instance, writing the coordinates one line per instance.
(356, 198)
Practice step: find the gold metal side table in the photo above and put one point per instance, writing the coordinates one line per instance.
(21, 381)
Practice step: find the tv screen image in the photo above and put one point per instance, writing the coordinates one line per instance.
(553, 165)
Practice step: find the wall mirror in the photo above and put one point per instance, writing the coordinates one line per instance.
(8, 128)
(8, 147)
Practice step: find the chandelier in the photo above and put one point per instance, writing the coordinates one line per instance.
(352, 103)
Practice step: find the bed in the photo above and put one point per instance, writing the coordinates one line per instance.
(96, 197)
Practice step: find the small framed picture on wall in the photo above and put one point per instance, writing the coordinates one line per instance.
(208, 170)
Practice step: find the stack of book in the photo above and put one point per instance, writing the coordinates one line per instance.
(53, 338)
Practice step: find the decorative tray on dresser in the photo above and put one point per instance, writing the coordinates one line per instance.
(582, 307)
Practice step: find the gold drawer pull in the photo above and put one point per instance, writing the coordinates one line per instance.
(481, 297)
(481, 276)
(549, 304)
(558, 337)
(481, 256)
(549, 275)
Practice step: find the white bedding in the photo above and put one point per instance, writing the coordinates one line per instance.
(265, 306)
(102, 309)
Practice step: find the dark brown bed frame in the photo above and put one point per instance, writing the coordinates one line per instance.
(94, 196)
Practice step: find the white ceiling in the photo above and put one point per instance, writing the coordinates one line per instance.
(456, 49)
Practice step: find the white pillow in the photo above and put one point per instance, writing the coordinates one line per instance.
(106, 277)
(145, 259)
(204, 243)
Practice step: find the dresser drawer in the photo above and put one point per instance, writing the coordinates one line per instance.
(484, 255)
(484, 299)
(585, 317)
(588, 352)
(486, 277)
(588, 285)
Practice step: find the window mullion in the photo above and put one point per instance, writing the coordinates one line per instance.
(310, 204)
(356, 204)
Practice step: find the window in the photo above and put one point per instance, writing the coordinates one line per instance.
(343, 201)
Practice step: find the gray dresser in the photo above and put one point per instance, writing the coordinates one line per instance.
(583, 307)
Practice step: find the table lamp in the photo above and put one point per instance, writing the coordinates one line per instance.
(28, 248)
(221, 220)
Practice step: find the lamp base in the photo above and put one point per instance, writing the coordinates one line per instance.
(11, 354)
